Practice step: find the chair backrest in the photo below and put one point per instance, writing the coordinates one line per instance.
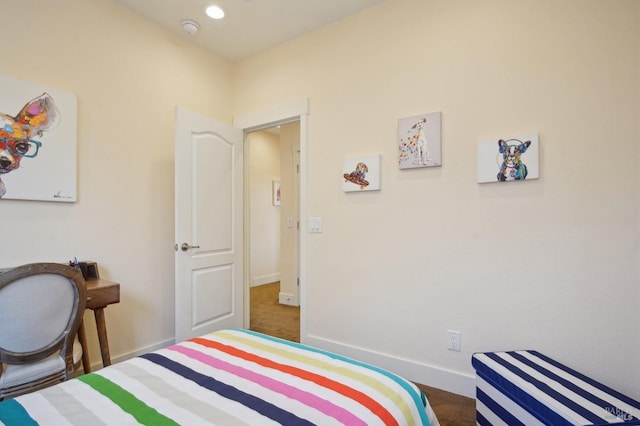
(41, 309)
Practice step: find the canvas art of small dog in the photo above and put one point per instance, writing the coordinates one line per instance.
(512, 167)
(358, 175)
(17, 132)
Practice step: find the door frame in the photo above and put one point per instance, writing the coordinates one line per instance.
(296, 110)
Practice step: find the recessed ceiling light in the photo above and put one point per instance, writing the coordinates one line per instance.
(214, 12)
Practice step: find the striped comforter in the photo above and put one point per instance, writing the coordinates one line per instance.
(230, 377)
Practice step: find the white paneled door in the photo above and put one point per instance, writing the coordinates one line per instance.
(208, 225)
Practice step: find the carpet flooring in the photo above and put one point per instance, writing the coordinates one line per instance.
(268, 316)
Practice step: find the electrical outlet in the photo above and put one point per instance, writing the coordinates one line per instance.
(315, 225)
(286, 299)
(454, 340)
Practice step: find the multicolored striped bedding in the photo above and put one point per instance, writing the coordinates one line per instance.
(230, 377)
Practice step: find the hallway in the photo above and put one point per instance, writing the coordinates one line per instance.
(268, 316)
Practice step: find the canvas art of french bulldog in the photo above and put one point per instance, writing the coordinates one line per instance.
(512, 167)
(17, 133)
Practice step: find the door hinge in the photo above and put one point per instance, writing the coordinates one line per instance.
(298, 281)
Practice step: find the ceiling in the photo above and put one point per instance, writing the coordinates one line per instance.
(250, 26)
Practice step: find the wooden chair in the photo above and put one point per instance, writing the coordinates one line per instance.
(41, 309)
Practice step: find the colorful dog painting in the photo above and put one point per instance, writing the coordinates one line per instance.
(38, 142)
(17, 133)
(516, 158)
(419, 141)
(358, 175)
(512, 167)
(416, 143)
(361, 174)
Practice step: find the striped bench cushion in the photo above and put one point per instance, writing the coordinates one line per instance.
(528, 388)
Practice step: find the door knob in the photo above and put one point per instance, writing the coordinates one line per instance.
(186, 246)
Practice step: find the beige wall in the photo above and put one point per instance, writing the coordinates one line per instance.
(289, 232)
(548, 264)
(264, 158)
(128, 76)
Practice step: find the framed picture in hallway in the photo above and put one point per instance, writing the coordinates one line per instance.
(276, 192)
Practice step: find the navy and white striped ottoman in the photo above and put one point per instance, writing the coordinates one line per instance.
(528, 388)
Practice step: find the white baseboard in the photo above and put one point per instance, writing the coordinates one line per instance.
(287, 299)
(437, 377)
(265, 279)
(95, 366)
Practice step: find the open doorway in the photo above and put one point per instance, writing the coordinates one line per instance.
(274, 230)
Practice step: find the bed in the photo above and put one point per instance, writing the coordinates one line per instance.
(230, 377)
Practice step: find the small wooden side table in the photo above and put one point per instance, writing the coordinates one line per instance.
(100, 293)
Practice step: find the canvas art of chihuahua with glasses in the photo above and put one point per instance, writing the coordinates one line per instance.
(18, 133)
